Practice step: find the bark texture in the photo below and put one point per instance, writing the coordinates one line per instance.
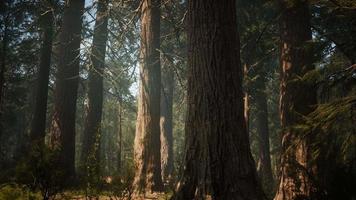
(38, 128)
(297, 98)
(92, 127)
(63, 122)
(147, 139)
(246, 101)
(218, 158)
(166, 123)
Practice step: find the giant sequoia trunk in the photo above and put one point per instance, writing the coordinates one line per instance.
(297, 99)
(264, 163)
(63, 122)
(147, 139)
(92, 127)
(217, 146)
(166, 123)
(38, 127)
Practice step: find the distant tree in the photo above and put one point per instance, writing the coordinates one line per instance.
(217, 145)
(147, 140)
(65, 94)
(166, 121)
(5, 17)
(170, 48)
(38, 127)
(260, 99)
(257, 55)
(92, 127)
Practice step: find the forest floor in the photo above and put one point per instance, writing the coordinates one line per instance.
(156, 196)
(14, 191)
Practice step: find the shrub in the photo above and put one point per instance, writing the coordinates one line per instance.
(41, 171)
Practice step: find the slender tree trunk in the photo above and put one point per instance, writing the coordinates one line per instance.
(166, 123)
(147, 139)
(92, 127)
(3, 63)
(67, 77)
(38, 128)
(3, 68)
(217, 145)
(119, 132)
(264, 164)
(296, 99)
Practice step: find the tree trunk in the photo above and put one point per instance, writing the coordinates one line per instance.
(264, 164)
(217, 144)
(166, 123)
(38, 128)
(67, 77)
(119, 134)
(296, 99)
(147, 139)
(92, 127)
(3, 66)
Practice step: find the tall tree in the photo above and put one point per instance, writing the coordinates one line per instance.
(92, 129)
(217, 144)
(166, 122)
(63, 122)
(39, 118)
(264, 168)
(257, 32)
(5, 16)
(147, 139)
(295, 61)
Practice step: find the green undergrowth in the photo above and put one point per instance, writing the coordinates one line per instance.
(13, 191)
